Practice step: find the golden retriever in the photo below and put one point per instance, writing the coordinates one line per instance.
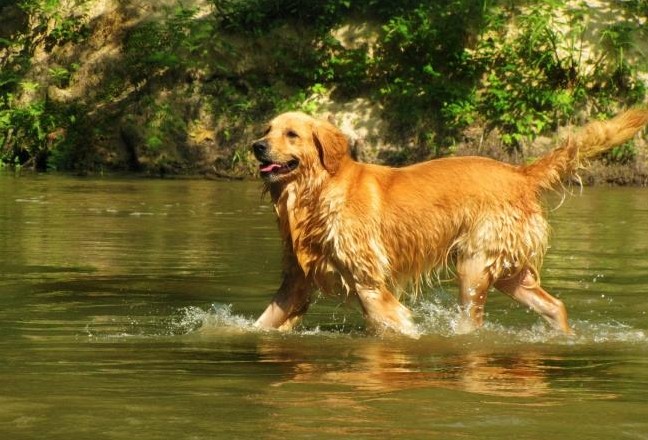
(368, 230)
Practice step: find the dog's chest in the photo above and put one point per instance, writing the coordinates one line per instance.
(316, 231)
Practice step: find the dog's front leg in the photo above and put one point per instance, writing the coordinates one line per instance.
(289, 303)
(384, 313)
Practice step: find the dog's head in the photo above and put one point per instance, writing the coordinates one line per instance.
(296, 144)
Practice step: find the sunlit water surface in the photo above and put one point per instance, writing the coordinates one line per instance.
(126, 308)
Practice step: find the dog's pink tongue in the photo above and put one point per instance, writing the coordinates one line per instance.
(269, 168)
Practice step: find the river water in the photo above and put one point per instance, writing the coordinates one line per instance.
(126, 308)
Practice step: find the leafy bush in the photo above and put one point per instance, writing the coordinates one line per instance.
(439, 67)
(30, 125)
(435, 67)
(535, 77)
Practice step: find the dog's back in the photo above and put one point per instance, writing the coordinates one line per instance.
(450, 209)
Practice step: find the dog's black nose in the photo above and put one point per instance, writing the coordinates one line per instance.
(259, 147)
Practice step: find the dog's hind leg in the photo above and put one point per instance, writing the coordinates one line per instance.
(525, 289)
(383, 312)
(474, 282)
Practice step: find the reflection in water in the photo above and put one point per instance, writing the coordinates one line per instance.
(376, 365)
(382, 388)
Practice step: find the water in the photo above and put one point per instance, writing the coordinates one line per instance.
(126, 308)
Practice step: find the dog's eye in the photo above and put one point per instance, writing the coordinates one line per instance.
(291, 134)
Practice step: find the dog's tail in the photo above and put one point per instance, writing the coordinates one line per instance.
(592, 139)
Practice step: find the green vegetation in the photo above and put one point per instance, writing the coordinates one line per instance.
(538, 79)
(31, 125)
(221, 67)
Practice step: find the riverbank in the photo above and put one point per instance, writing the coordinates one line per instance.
(166, 88)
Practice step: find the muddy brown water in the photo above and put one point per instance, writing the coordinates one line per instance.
(126, 308)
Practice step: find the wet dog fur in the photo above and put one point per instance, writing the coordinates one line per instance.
(366, 230)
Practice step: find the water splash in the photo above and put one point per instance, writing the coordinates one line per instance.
(588, 333)
(219, 319)
(219, 316)
(437, 318)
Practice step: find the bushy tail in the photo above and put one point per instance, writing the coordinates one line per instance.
(592, 139)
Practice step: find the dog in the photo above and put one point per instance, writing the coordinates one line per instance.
(368, 230)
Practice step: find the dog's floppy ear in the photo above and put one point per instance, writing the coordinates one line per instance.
(332, 145)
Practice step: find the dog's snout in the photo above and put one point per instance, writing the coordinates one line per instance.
(260, 147)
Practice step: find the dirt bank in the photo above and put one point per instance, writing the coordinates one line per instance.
(166, 88)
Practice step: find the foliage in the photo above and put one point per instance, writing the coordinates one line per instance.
(419, 67)
(536, 79)
(170, 44)
(435, 67)
(439, 67)
(413, 70)
(31, 126)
